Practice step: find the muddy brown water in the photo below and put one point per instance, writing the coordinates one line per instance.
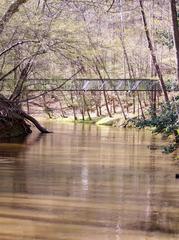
(88, 183)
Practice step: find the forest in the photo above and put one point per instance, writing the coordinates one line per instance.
(89, 119)
(48, 44)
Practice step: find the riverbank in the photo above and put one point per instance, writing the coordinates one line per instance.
(117, 120)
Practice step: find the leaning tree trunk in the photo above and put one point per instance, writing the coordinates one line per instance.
(152, 52)
(104, 92)
(175, 32)
(34, 121)
(13, 8)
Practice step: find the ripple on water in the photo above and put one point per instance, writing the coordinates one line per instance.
(87, 182)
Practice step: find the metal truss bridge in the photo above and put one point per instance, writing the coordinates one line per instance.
(128, 85)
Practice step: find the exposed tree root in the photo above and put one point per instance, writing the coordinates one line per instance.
(13, 118)
(34, 121)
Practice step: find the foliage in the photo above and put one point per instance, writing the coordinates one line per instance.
(169, 148)
(170, 85)
(165, 38)
(164, 122)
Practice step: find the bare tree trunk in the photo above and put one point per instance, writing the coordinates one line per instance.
(114, 105)
(61, 106)
(118, 97)
(86, 106)
(140, 104)
(151, 48)
(133, 98)
(96, 101)
(73, 107)
(13, 8)
(106, 100)
(34, 121)
(127, 103)
(175, 33)
(121, 105)
(81, 105)
(59, 100)
(27, 102)
(47, 109)
(155, 101)
(19, 85)
(104, 92)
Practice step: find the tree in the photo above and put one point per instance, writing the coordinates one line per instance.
(13, 8)
(175, 32)
(153, 55)
(11, 110)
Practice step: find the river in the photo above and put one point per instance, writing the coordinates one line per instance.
(88, 183)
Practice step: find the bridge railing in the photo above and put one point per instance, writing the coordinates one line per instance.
(92, 85)
(96, 84)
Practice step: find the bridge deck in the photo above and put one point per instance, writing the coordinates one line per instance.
(94, 84)
(129, 85)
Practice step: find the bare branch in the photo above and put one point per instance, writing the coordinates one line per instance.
(13, 8)
(53, 89)
(17, 44)
(113, 1)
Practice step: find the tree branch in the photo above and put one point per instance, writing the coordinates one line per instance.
(53, 89)
(16, 44)
(13, 8)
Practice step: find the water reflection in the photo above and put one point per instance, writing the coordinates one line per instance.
(87, 182)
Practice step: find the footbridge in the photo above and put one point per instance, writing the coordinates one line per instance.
(87, 84)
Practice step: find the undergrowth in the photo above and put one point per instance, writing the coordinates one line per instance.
(164, 122)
